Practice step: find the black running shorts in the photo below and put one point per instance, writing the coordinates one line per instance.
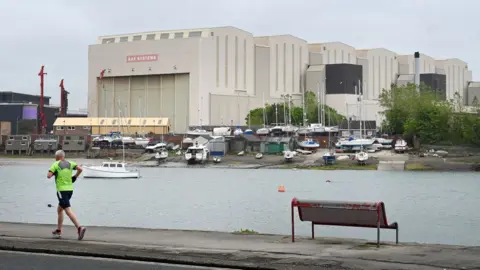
(64, 198)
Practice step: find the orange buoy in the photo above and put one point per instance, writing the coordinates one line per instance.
(281, 188)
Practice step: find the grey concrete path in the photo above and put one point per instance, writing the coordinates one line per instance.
(21, 260)
(242, 251)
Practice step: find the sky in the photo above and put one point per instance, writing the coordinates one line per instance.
(56, 33)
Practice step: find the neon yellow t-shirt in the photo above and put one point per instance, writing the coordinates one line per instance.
(63, 170)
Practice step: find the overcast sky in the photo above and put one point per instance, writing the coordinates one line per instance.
(56, 33)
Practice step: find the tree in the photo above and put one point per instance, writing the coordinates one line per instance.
(423, 114)
(276, 112)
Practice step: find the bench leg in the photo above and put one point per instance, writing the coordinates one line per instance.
(313, 231)
(378, 234)
(293, 224)
(396, 238)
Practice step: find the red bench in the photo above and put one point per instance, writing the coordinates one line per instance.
(342, 213)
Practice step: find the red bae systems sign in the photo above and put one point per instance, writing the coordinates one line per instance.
(142, 58)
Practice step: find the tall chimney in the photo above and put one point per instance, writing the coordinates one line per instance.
(417, 69)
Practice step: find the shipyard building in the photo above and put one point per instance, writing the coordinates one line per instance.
(214, 76)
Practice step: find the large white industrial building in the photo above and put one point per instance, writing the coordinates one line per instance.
(214, 76)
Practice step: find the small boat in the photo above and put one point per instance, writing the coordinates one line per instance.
(142, 141)
(309, 143)
(241, 153)
(196, 154)
(238, 131)
(263, 131)
(217, 159)
(109, 169)
(400, 146)
(222, 131)
(259, 156)
(162, 155)
(329, 158)
(361, 157)
(198, 132)
(288, 155)
(304, 131)
(248, 131)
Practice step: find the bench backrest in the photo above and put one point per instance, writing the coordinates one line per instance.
(341, 213)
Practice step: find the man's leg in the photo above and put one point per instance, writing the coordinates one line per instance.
(72, 216)
(68, 210)
(60, 218)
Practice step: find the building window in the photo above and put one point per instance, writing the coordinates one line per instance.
(108, 40)
(59, 128)
(211, 34)
(195, 34)
(103, 121)
(179, 35)
(165, 36)
(114, 122)
(144, 122)
(159, 122)
(129, 121)
(86, 127)
(137, 38)
(150, 36)
(123, 39)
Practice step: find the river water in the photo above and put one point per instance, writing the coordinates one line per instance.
(429, 207)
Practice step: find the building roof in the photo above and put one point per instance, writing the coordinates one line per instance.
(111, 121)
(18, 93)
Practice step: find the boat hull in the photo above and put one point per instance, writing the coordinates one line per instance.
(89, 172)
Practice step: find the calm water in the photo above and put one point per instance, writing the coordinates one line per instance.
(430, 207)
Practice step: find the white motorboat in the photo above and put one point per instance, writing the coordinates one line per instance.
(238, 131)
(263, 131)
(110, 169)
(155, 147)
(198, 132)
(217, 159)
(400, 146)
(308, 143)
(259, 156)
(142, 141)
(196, 154)
(241, 153)
(361, 157)
(288, 155)
(304, 131)
(222, 131)
(289, 129)
(162, 155)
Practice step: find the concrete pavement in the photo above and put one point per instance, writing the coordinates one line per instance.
(21, 260)
(219, 249)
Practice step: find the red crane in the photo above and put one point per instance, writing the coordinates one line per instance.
(42, 120)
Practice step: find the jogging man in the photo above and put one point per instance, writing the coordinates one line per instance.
(62, 170)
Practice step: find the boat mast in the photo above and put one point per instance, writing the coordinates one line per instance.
(123, 144)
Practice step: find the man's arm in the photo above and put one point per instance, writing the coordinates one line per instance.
(79, 171)
(52, 171)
